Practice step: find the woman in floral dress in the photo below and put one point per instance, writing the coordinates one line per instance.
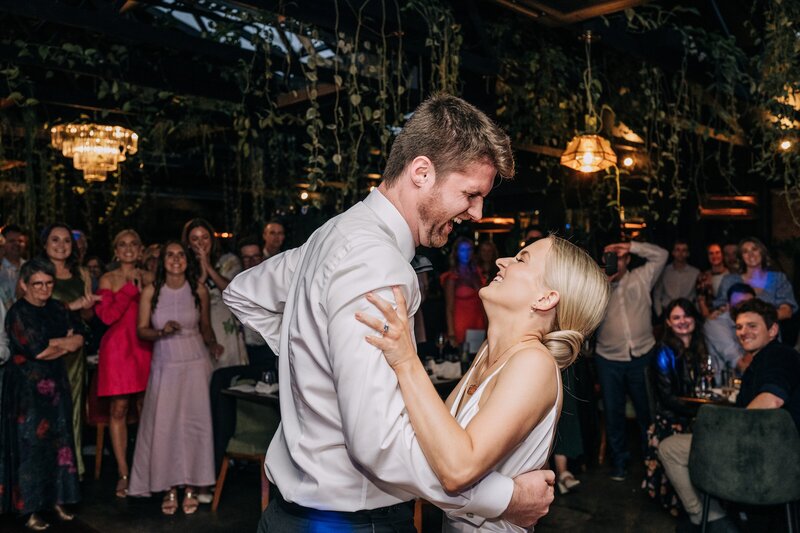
(216, 271)
(38, 470)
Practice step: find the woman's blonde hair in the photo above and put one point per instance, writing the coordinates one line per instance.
(583, 290)
(118, 237)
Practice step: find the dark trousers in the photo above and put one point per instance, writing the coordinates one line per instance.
(223, 408)
(616, 379)
(277, 518)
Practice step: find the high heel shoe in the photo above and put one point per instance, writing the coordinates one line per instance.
(170, 503)
(190, 502)
(63, 514)
(566, 482)
(122, 487)
(35, 523)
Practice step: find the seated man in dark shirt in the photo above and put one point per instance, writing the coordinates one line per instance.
(772, 381)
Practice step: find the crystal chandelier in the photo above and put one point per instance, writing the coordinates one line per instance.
(589, 152)
(94, 148)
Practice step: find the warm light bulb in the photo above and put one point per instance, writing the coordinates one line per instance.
(628, 161)
(587, 159)
(304, 195)
(372, 188)
(785, 144)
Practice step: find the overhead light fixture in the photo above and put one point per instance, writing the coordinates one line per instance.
(94, 148)
(589, 152)
(304, 195)
(785, 144)
(628, 161)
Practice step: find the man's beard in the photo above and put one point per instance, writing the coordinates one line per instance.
(429, 212)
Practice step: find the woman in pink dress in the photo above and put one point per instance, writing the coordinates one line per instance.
(175, 446)
(124, 363)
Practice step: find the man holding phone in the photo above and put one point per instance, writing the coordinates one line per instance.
(625, 342)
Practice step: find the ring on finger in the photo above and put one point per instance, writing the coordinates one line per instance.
(385, 328)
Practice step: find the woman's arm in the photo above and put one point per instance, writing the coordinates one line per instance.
(144, 329)
(60, 346)
(523, 392)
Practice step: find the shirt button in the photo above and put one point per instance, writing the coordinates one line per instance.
(470, 515)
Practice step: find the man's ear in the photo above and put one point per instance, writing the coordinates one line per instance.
(773, 331)
(421, 170)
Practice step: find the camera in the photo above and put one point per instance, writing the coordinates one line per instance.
(610, 263)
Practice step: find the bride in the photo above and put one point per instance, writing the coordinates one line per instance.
(503, 413)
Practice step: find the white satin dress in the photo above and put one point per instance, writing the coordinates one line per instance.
(530, 454)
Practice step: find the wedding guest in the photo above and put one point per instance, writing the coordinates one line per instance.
(124, 363)
(81, 244)
(731, 252)
(73, 288)
(174, 445)
(674, 372)
(461, 284)
(678, 279)
(150, 257)
(771, 286)
(38, 469)
(273, 236)
(14, 249)
(95, 267)
(772, 381)
(216, 271)
(708, 281)
(625, 346)
(720, 334)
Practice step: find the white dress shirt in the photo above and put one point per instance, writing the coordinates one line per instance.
(626, 330)
(345, 442)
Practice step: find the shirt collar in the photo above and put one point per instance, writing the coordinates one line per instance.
(398, 226)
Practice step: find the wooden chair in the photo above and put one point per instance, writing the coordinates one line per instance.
(255, 426)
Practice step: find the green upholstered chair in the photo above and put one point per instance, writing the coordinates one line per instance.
(256, 424)
(749, 456)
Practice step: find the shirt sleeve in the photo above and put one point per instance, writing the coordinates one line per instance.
(257, 296)
(369, 397)
(777, 375)
(656, 258)
(784, 294)
(658, 294)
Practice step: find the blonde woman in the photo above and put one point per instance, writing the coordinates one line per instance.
(502, 415)
(124, 363)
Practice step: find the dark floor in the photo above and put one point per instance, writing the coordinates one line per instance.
(599, 505)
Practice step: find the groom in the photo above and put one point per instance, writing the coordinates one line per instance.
(345, 455)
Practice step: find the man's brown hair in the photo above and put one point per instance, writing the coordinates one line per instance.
(453, 135)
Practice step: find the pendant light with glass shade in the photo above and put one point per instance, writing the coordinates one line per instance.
(589, 152)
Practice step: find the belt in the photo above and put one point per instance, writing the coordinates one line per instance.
(365, 516)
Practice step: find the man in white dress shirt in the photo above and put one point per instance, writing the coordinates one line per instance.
(345, 456)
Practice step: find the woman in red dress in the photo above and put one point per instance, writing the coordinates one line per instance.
(124, 364)
(461, 284)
